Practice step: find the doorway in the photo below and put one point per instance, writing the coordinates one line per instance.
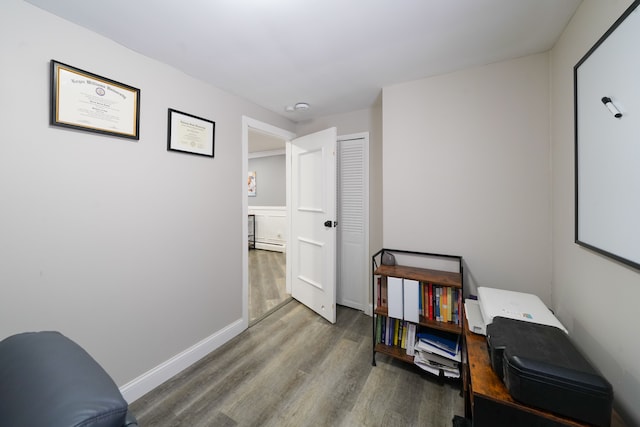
(264, 261)
(353, 283)
(267, 224)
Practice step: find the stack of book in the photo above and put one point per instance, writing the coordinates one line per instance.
(434, 351)
(395, 332)
(441, 303)
(435, 302)
(438, 352)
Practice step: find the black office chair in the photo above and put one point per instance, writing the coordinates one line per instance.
(47, 380)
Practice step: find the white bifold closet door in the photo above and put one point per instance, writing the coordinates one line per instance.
(353, 221)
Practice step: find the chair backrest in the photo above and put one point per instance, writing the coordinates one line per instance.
(46, 379)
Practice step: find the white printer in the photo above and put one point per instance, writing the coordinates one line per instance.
(494, 302)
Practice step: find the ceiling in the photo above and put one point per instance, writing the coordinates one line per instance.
(335, 55)
(264, 142)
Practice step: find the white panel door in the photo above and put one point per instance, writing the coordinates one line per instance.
(313, 216)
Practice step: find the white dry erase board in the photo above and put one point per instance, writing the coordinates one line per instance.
(607, 142)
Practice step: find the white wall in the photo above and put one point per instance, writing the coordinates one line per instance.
(271, 180)
(130, 250)
(466, 172)
(347, 123)
(596, 298)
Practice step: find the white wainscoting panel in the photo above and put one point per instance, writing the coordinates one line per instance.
(271, 227)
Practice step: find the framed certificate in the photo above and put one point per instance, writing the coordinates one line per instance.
(190, 134)
(85, 101)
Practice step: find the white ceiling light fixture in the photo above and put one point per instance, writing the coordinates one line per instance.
(299, 106)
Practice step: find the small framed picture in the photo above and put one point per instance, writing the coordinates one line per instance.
(190, 134)
(85, 101)
(251, 182)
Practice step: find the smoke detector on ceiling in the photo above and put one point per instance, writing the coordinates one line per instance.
(300, 106)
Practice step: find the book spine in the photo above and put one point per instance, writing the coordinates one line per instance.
(430, 301)
(395, 331)
(454, 294)
(388, 332)
(423, 309)
(411, 339)
(449, 305)
(383, 292)
(426, 300)
(459, 306)
(445, 306)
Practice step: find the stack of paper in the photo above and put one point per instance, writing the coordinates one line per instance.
(430, 362)
(439, 353)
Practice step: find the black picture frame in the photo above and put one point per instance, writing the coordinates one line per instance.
(190, 134)
(607, 203)
(85, 101)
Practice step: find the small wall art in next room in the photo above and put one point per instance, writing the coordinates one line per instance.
(251, 182)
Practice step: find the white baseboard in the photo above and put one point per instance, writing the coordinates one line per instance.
(369, 310)
(277, 247)
(151, 379)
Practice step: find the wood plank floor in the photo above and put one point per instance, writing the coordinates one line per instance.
(267, 283)
(293, 368)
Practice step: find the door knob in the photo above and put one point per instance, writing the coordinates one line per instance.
(327, 224)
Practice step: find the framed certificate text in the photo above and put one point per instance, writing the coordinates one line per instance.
(85, 101)
(190, 134)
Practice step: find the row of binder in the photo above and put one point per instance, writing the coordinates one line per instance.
(403, 299)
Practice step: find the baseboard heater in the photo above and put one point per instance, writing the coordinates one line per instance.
(271, 246)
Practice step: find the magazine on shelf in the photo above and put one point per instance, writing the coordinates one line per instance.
(424, 346)
(425, 361)
(445, 341)
(437, 360)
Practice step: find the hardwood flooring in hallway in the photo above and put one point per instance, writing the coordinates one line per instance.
(293, 368)
(267, 282)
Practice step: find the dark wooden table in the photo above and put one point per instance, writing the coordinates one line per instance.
(487, 400)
